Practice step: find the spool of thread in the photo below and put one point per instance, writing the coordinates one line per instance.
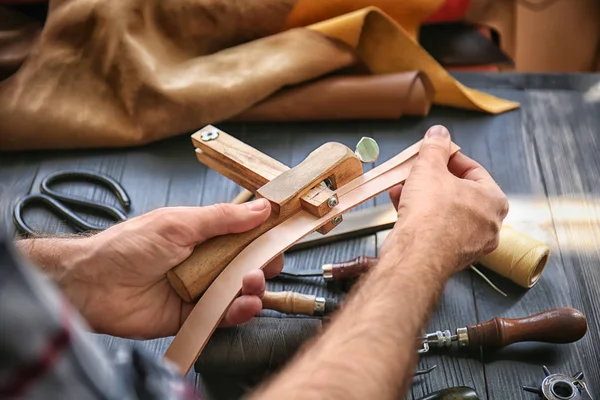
(520, 258)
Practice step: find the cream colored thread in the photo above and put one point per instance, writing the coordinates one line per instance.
(488, 281)
(519, 257)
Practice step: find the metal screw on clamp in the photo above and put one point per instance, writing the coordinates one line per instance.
(209, 135)
(332, 202)
(337, 220)
(367, 150)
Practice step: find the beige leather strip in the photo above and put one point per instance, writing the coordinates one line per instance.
(210, 309)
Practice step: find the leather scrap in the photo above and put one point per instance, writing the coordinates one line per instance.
(108, 74)
(117, 73)
(385, 96)
(373, 35)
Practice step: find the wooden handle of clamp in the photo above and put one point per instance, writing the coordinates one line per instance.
(289, 302)
(194, 275)
(559, 325)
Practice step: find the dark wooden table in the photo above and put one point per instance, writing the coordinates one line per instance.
(544, 156)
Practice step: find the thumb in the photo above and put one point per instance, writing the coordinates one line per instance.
(221, 219)
(435, 149)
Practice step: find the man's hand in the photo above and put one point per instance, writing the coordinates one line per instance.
(454, 202)
(117, 280)
(448, 214)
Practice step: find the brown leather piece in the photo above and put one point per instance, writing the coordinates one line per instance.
(121, 73)
(386, 96)
(373, 34)
(18, 35)
(118, 73)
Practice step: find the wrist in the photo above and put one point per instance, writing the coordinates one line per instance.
(414, 244)
(57, 258)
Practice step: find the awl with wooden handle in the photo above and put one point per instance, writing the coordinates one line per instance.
(341, 271)
(558, 325)
(298, 303)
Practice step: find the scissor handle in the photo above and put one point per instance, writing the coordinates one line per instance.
(60, 210)
(94, 177)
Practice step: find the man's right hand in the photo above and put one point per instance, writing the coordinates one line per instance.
(452, 203)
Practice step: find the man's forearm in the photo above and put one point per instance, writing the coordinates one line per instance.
(56, 257)
(369, 350)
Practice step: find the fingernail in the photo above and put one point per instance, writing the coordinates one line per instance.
(437, 131)
(257, 205)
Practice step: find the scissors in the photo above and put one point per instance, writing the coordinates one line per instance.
(55, 201)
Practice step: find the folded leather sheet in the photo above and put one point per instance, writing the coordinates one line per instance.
(127, 72)
(376, 37)
(384, 96)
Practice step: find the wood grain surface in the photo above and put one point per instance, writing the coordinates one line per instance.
(544, 155)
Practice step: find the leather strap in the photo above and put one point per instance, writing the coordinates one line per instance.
(383, 96)
(210, 309)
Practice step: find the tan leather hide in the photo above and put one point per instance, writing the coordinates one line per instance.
(109, 73)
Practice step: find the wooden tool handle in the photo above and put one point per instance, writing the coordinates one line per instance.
(350, 269)
(559, 325)
(288, 190)
(194, 275)
(289, 302)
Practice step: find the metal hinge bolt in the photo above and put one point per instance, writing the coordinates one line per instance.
(209, 135)
(332, 202)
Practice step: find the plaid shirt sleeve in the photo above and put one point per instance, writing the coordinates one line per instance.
(45, 352)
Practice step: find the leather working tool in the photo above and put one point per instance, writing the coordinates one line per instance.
(559, 325)
(300, 205)
(561, 387)
(298, 303)
(340, 271)
(55, 201)
(288, 190)
(309, 187)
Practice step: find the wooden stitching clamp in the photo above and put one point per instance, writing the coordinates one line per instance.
(309, 186)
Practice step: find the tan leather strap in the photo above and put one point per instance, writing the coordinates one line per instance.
(383, 96)
(207, 314)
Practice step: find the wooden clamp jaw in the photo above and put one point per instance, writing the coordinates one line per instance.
(309, 186)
